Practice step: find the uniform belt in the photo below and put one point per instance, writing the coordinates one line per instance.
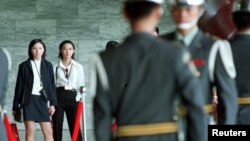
(244, 100)
(61, 87)
(208, 108)
(147, 129)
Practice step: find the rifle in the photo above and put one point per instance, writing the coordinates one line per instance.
(216, 19)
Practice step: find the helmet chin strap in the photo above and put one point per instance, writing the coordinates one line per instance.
(186, 26)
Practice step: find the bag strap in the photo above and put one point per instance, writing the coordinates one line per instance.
(56, 73)
(39, 73)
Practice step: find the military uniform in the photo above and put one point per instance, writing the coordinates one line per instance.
(200, 49)
(241, 50)
(137, 86)
(5, 63)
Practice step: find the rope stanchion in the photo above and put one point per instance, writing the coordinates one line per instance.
(77, 121)
(8, 128)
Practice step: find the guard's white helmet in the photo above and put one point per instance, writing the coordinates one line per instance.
(153, 1)
(186, 2)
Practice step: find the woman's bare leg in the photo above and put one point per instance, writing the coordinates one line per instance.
(29, 130)
(47, 131)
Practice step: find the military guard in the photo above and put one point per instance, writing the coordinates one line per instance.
(137, 84)
(5, 62)
(241, 50)
(212, 57)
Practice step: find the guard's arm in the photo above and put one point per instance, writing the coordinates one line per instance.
(191, 91)
(227, 93)
(102, 104)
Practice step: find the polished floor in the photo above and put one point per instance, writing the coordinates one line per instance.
(66, 135)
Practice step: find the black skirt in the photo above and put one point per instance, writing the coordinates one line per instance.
(37, 110)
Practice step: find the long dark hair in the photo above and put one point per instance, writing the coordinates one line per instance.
(32, 43)
(61, 46)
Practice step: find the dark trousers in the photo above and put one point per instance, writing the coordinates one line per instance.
(66, 102)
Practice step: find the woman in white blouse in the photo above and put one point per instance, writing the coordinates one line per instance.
(34, 88)
(70, 79)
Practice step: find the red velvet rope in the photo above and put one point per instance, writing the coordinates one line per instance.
(77, 121)
(8, 128)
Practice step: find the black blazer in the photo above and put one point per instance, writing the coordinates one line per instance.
(25, 77)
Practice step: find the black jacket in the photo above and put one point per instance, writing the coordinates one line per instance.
(241, 50)
(143, 77)
(226, 88)
(25, 80)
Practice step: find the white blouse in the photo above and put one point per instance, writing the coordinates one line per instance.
(37, 86)
(75, 79)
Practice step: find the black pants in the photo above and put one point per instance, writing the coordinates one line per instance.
(66, 102)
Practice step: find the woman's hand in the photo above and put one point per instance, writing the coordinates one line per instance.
(52, 110)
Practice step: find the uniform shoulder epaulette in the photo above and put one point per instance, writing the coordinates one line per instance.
(224, 49)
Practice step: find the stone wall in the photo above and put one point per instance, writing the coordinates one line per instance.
(90, 24)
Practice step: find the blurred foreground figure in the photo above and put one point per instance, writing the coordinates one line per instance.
(139, 77)
(241, 50)
(212, 57)
(5, 63)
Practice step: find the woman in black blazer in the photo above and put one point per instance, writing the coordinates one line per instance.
(35, 87)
